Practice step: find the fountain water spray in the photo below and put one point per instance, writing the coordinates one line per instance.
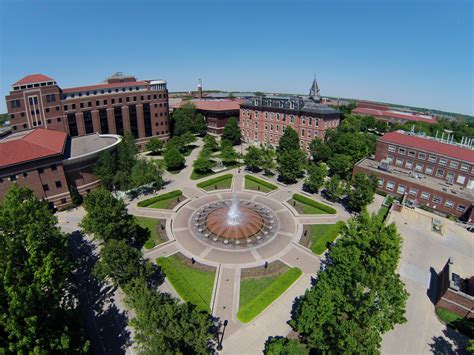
(233, 216)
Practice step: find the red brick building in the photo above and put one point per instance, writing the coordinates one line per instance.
(217, 112)
(49, 162)
(425, 171)
(120, 104)
(263, 119)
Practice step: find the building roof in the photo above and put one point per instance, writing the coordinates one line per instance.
(429, 145)
(216, 105)
(105, 86)
(33, 78)
(393, 114)
(31, 145)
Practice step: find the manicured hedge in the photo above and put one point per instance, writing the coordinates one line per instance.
(314, 203)
(268, 295)
(261, 182)
(166, 196)
(213, 181)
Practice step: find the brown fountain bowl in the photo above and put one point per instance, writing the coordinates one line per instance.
(251, 222)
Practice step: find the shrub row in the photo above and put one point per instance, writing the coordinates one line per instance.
(165, 196)
(213, 181)
(314, 203)
(261, 182)
(270, 294)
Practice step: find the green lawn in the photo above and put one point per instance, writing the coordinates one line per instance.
(153, 225)
(217, 183)
(462, 325)
(192, 285)
(165, 201)
(196, 176)
(322, 234)
(257, 294)
(306, 205)
(253, 183)
(382, 213)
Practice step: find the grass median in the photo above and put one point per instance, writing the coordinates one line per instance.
(257, 294)
(193, 283)
(157, 234)
(306, 205)
(217, 183)
(165, 201)
(318, 236)
(253, 183)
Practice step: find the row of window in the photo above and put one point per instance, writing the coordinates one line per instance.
(291, 118)
(25, 173)
(51, 98)
(109, 91)
(271, 136)
(113, 101)
(431, 158)
(402, 189)
(36, 85)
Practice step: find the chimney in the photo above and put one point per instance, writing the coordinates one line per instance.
(200, 88)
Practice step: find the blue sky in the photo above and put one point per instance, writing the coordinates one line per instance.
(414, 52)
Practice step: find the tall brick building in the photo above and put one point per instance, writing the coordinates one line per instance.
(426, 171)
(263, 119)
(120, 104)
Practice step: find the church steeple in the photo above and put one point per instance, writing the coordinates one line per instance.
(314, 91)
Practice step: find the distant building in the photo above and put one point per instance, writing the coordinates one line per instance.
(391, 115)
(454, 293)
(429, 172)
(49, 162)
(120, 104)
(263, 119)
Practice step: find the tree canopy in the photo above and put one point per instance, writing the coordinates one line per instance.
(154, 145)
(253, 158)
(362, 191)
(291, 164)
(315, 177)
(289, 141)
(38, 313)
(231, 131)
(174, 160)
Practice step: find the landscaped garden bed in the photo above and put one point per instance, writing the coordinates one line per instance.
(196, 176)
(166, 201)
(218, 183)
(317, 236)
(258, 292)
(306, 205)
(193, 281)
(253, 183)
(156, 228)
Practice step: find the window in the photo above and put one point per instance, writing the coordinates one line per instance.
(50, 98)
(81, 105)
(302, 132)
(411, 153)
(401, 151)
(380, 182)
(401, 189)
(413, 191)
(390, 185)
(461, 208)
(12, 177)
(425, 195)
(439, 173)
(65, 107)
(45, 187)
(419, 167)
(47, 109)
(453, 164)
(409, 164)
(449, 204)
(63, 201)
(399, 162)
(461, 179)
(464, 167)
(58, 184)
(40, 170)
(390, 159)
(429, 170)
(442, 162)
(316, 122)
(422, 156)
(437, 199)
(54, 167)
(432, 159)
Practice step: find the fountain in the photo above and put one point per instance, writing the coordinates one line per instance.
(233, 216)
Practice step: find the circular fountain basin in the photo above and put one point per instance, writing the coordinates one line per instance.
(250, 223)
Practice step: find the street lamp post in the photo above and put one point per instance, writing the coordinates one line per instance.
(219, 345)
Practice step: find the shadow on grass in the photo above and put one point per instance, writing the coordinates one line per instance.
(451, 343)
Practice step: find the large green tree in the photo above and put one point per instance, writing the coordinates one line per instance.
(289, 141)
(147, 172)
(359, 296)
(200, 125)
(231, 131)
(37, 311)
(107, 217)
(284, 346)
(164, 326)
(210, 143)
(291, 164)
(315, 177)
(106, 168)
(174, 160)
(333, 189)
(253, 158)
(362, 191)
(319, 150)
(228, 153)
(154, 145)
(268, 160)
(341, 165)
(183, 119)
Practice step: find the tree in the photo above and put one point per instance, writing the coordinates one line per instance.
(203, 164)
(340, 165)
(315, 179)
(267, 160)
(289, 141)
(188, 138)
(146, 172)
(200, 125)
(228, 153)
(253, 158)
(175, 142)
(183, 119)
(333, 189)
(359, 296)
(231, 131)
(107, 217)
(127, 152)
(164, 326)
(121, 263)
(106, 168)
(362, 191)
(174, 160)
(319, 150)
(154, 145)
(291, 165)
(284, 346)
(38, 311)
(210, 143)
(76, 197)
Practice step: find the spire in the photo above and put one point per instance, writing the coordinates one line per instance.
(314, 91)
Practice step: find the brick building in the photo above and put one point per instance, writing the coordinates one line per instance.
(49, 162)
(120, 104)
(425, 171)
(454, 293)
(263, 119)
